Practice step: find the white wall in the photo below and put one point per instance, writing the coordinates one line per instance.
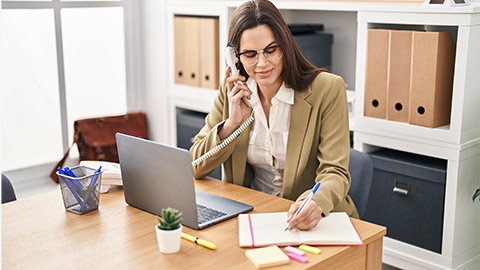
(153, 55)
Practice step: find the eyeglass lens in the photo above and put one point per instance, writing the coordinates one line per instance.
(250, 58)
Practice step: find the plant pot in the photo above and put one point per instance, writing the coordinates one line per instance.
(168, 241)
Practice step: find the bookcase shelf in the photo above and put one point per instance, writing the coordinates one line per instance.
(458, 143)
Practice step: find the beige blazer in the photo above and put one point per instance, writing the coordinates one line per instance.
(318, 146)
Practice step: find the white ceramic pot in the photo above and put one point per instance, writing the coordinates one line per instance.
(169, 241)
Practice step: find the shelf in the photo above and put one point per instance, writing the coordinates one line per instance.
(441, 136)
(364, 6)
(192, 98)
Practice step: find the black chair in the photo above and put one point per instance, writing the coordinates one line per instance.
(8, 193)
(361, 172)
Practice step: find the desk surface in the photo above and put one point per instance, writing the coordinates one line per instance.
(38, 233)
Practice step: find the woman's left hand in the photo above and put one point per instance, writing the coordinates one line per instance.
(307, 218)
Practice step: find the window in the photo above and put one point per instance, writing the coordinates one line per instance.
(61, 61)
(30, 107)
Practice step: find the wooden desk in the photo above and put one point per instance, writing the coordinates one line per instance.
(39, 234)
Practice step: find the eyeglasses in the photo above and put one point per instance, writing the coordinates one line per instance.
(250, 58)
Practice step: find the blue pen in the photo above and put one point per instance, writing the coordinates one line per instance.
(76, 184)
(69, 185)
(310, 196)
(91, 188)
(69, 172)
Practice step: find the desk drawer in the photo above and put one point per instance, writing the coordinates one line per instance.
(407, 196)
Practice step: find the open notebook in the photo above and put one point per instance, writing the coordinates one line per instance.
(258, 230)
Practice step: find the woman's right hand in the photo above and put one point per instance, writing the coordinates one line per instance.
(237, 109)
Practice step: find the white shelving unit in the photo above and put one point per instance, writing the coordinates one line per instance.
(458, 143)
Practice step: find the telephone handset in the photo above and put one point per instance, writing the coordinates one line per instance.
(231, 58)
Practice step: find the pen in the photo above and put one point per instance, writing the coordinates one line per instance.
(198, 241)
(310, 196)
(91, 188)
(69, 185)
(78, 187)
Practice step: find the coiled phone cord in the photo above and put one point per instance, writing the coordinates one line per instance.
(228, 140)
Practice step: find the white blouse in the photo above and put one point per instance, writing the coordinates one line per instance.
(268, 146)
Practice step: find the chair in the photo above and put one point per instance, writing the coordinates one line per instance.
(8, 193)
(361, 172)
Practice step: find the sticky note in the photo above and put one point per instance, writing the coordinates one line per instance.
(267, 256)
(297, 257)
(297, 251)
(310, 249)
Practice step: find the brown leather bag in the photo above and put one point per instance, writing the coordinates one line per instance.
(95, 137)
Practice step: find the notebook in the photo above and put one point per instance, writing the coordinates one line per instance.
(267, 256)
(257, 230)
(157, 176)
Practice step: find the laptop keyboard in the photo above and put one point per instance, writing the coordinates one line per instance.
(207, 214)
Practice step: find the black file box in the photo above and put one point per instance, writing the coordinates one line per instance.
(407, 196)
(316, 46)
(189, 124)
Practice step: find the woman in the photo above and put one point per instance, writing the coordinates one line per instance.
(300, 133)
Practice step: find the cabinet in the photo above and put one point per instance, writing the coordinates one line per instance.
(457, 143)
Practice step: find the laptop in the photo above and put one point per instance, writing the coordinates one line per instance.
(157, 176)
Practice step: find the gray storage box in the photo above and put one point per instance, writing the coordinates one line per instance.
(316, 47)
(189, 124)
(407, 196)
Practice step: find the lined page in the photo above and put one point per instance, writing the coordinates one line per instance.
(335, 229)
(268, 229)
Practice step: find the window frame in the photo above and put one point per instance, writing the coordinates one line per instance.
(132, 39)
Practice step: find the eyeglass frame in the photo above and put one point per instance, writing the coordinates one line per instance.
(257, 53)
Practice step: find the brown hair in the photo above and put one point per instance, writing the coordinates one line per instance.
(297, 72)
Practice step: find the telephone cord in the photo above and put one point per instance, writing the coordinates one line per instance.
(228, 140)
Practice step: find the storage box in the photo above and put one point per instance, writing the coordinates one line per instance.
(399, 63)
(433, 58)
(196, 51)
(407, 196)
(315, 46)
(376, 73)
(189, 124)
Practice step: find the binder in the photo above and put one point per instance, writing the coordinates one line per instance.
(376, 73)
(209, 52)
(433, 58)
(400, 54)
(186, 31)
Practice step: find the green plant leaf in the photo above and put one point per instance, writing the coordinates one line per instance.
(170, 220)
(476, 194)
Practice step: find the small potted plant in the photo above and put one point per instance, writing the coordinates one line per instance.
(169, 230)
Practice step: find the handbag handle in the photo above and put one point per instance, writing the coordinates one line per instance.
(53, 174)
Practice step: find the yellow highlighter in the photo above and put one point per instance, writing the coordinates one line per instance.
(198, 241)
(310, 249)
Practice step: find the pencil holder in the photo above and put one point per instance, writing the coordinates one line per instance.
(81, 194)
